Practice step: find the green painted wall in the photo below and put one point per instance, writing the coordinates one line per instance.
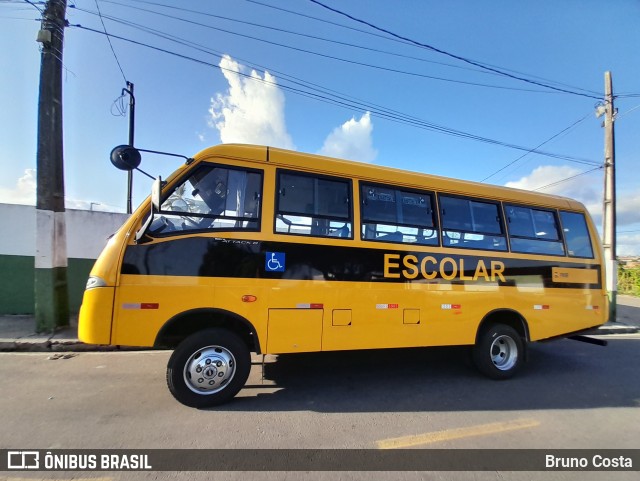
(17, 278)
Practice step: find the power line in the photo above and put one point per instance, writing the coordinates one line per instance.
(306, 35)
(404, 42)
(348, 103)
(35, 6)
(540, 145)
(295, 80)
(9, 17)
(448, 54)
(568, 178)
(316, 37)
(311, 52)
(619, 116)
(330, 23)
(354, 101)
(109, 40)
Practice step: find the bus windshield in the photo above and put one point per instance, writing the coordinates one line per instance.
(211, 198)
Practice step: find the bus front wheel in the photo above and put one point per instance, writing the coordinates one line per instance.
(208, 368)
(499, 351)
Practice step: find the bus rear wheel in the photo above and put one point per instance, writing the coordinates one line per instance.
(499, 351)
(208, 368)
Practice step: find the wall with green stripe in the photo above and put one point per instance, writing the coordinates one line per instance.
(87, 234)
(17, 283)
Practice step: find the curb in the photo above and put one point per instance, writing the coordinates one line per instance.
(62, 346)
(605, 330)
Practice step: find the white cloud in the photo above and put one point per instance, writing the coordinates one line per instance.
(352, 140)
(582, 188)
(23, 193)
(628, 219)
(628, 245)
(252, 110)
(628, 208)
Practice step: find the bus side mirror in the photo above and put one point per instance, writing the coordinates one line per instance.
(125, 157)
(155, 207)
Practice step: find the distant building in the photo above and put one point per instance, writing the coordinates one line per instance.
(629, 262)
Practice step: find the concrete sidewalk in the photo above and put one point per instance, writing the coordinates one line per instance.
(17, 333)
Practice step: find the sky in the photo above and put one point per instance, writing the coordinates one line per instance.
(463, 88)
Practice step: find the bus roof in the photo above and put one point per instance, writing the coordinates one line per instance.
(380, 174)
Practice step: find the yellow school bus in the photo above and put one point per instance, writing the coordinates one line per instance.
(255, 249)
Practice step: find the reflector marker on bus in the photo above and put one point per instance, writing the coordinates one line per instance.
(447, 307)
(309, 306)
(541, 307)
(142, 305)
(386, 306)
(592, 308)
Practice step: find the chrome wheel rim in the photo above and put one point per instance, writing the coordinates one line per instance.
(209, 370)
(504, 353)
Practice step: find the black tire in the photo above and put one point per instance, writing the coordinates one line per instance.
(499, 351)
(208, 368)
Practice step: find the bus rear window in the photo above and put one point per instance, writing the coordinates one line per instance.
(576, 234)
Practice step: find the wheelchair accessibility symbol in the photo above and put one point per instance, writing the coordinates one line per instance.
(274, 262)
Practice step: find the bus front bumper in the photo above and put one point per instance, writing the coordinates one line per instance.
(96, 314)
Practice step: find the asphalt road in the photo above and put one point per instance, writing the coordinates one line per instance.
(569, 395)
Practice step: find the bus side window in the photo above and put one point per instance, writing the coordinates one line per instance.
(397, 215)
(311, 205)
(471, 224)
(533, 230)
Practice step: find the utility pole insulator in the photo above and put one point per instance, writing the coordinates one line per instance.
(44, 36)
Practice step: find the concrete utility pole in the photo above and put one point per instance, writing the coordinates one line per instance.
(51, 293)
(609, 217)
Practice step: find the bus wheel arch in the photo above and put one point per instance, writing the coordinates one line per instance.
(187, 323)
(500, 347)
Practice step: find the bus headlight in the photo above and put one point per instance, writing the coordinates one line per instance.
(95, 281)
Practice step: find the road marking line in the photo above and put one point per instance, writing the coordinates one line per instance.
(449, 434)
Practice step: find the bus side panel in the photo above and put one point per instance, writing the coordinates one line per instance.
(402, 315)
(554, 312)
(319, 315)
(144, 303)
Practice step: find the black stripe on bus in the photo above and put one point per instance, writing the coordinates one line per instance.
(226, 258)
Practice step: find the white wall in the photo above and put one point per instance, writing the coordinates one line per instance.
(87, 231)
